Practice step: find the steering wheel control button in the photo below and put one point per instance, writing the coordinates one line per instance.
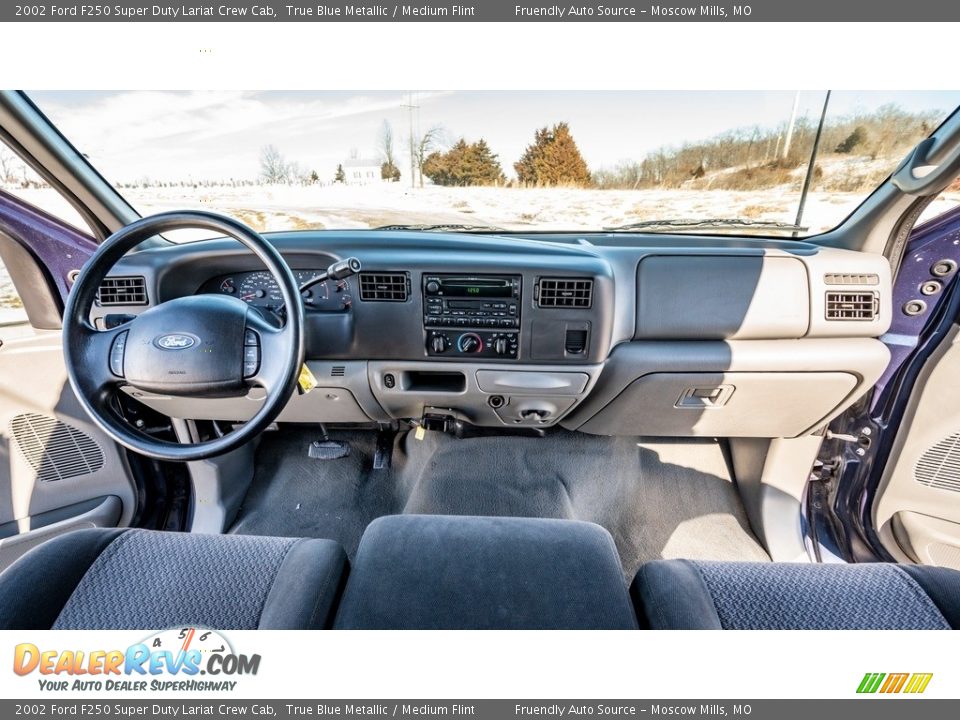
(251, 353)
(117, 350)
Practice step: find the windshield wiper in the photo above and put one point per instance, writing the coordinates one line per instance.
(710, 223)
(442, 227)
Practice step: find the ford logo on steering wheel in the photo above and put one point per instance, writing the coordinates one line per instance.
(175, 341)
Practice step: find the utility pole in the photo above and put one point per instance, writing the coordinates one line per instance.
(410, 107)
(793, 121)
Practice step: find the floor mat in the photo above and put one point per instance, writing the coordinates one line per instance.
(657, 499)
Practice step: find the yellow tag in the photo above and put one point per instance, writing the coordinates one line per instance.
(306, 381)
(419, 433)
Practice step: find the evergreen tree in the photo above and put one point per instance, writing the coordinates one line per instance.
(464, 164)
(552, 159)
(341, 176)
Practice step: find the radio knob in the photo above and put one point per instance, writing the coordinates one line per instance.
(438, 344)
(433, 287)
(470, 343)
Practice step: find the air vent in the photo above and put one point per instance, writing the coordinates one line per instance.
(852, 305)
(122, 291)
(384, 287)
(939, 467)
(338, 371)
(55, 450)
(851, 279)
(564, 293)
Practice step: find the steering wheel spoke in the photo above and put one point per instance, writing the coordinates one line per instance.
(102, 353)
(263, 352)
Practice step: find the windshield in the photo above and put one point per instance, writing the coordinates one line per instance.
(705, 162)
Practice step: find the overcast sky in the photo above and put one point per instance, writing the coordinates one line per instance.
(218, 134)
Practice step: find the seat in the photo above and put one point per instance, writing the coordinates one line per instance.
(141, 579)
(445, 572)
(694, 595)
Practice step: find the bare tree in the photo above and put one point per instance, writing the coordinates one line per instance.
(274, 168)
(431, 140)
(389, 169)
(8, 165)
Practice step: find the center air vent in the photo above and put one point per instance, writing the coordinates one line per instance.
(122, 291)
(852, 305)
(564, 293)
(55, 450)
(384, 287)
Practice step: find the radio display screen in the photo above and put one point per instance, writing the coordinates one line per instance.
(476, 290)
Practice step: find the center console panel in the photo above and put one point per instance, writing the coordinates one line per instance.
(472, 316)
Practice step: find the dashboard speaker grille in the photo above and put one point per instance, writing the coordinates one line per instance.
(939, 467)
(55, 450)
(122, 291)
(851, 305)
(384, 287)
(564, 293)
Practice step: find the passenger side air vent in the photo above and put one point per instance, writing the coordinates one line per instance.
(939, 467)
(55, 450)
(384, 287)
(564, 293)
(851, 279)
(852, 305)
(122, 291)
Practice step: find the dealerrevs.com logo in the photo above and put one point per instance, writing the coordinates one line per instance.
(892, 683)
(182, 659)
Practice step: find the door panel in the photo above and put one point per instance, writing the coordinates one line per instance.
(918, 510)
(57, 470)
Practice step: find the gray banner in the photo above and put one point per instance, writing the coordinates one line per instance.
(482, 11)
(877, 708)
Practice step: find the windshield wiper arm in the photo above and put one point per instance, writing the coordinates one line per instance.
(442, 227)
(688, 224)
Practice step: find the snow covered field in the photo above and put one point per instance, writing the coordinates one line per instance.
(340, 206)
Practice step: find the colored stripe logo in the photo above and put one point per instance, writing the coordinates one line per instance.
(888, 683)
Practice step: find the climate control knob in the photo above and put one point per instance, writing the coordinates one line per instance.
(500, 346)
(438, 344)
(469, 343)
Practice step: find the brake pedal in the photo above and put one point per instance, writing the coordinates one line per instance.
(328, 449)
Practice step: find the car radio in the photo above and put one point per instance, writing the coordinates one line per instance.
(472, 315)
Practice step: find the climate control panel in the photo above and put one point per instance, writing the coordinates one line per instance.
(477, 343)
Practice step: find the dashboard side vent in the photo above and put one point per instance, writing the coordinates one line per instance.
(564, 293)
(338, 371)
(939, 467)
(851, 279)
(384, 287)
(852, 305)
(55, 450)
(122, 291)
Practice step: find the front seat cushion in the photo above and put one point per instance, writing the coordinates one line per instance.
(141, 579)
(433, 572)
(694, 595)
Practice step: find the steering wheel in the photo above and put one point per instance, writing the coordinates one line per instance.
(197, 346)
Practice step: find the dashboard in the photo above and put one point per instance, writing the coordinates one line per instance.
(644, 334)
